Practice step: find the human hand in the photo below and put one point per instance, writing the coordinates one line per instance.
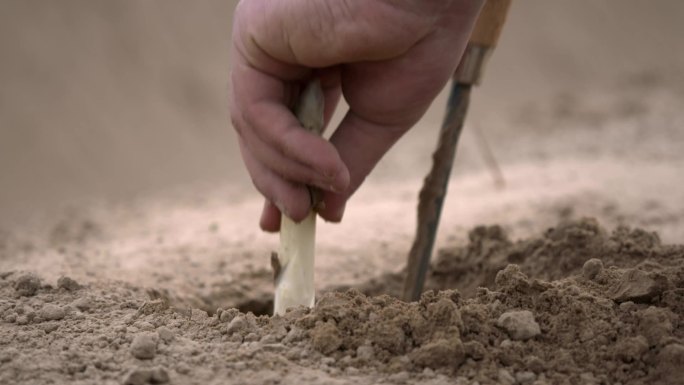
(389, 59)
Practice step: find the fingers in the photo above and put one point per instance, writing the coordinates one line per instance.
(280, 155)
(292, 151)
(259, 105)
(290, 198)
(270, 217)
(385, 100)
(391, 71)
(286, 167)
(361, 144)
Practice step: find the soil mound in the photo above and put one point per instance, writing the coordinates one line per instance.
(602, 308)
(559, 252)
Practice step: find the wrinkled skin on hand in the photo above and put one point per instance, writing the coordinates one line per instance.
(389, 58)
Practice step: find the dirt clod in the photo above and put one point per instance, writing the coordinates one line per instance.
(144, 376)
(326, 338)
(242, 324)
(82, 303)
(439, 353)
(365, 353)
(165, 334)
(670, 363)
(505, 377)
(520, 325)
(592, 268)
(27, 285)
(52, 312)
(637, 286)
(655, 324)
(631, 349)
(68, 283)
(525, 377)
(227, 315)
(8, 355)
(144, 346)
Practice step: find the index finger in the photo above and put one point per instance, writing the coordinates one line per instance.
(262, 100)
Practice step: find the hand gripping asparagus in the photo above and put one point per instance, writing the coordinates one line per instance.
(294, 264)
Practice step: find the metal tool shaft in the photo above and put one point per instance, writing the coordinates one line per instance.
(434, 191)
(482, 41)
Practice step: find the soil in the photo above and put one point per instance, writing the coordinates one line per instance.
(577, 304)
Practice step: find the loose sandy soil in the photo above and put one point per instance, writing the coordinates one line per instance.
(573, 272)
(575, 305)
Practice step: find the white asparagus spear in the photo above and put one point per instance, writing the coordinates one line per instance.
(294, 264)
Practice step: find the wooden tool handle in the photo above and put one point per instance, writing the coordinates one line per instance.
(490, 23)
(482, 41)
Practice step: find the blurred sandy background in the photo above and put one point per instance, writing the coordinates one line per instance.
(117, 98)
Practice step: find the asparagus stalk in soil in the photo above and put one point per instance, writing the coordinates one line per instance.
(294, 264)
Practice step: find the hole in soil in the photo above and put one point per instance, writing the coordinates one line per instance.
(258, 306)
(516, 257)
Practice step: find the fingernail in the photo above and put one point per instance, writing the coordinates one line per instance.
(324, 185)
